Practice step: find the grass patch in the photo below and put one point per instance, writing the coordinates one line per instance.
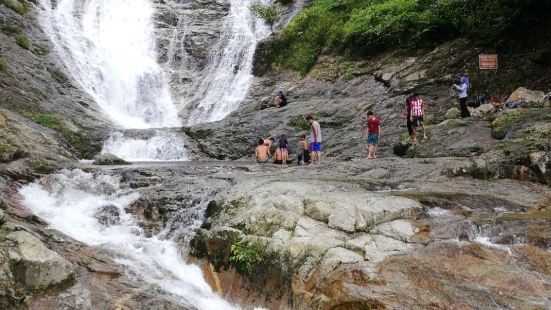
(3, 64)
(503, 124)
(57, 75)
(23, 41)
(43, 119)
(11, 29)
(79, 141)
(16, 5)
(299, 122)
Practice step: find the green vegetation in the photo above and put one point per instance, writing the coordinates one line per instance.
(43, 119)
(79, 141)
(11, 29)
(246, 255)
(360, 28)
(504, 123)
(16, 5)
(3, 64)
(271, 14)
(299, 122)
(23, 41)
(57, 75)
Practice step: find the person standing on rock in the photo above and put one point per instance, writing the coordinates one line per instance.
(417, 107)
(372, 133)
(315, 139)
(461, 86)
(407, 112)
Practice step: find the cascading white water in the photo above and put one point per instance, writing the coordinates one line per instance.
(108, 46)
(229, 76)
(160, 147)
(70, 202)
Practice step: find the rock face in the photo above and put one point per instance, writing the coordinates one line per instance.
(109, 159)
(46, 119)
(33, 265)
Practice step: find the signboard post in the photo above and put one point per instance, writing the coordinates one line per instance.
(487, 62)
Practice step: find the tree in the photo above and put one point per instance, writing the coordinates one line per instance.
(270, 13)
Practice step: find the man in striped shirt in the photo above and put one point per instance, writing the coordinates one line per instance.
(417, 108)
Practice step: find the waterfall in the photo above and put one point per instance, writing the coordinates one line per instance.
(108, 47)
(73, 201)
(229, 73)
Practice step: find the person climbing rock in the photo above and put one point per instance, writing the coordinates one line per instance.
(417, 107)
(315, 139)
(461, 87)
(280, 100)
(372, 132)
(262, 152)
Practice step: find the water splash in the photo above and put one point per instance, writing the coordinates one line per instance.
(229, 73)
(70, 201)
(163, 146)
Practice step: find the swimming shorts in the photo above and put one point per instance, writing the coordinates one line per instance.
(315, 146)
(373, 139)
(416, 120)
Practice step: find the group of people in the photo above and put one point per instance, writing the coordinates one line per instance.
(310, 150)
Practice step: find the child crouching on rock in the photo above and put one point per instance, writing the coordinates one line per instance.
(304, 154)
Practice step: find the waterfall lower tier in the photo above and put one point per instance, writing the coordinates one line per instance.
(77, 203)
(159, 145)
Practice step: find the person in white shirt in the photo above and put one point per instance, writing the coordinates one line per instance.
(461, 87)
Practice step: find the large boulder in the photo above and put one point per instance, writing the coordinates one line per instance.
(33, 265)
(452, 113)
(108, 159)
(526, 97)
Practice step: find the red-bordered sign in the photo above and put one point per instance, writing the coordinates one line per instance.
(487, 62)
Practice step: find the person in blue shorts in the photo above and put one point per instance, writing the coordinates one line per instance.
(372, 132)
(315, 139)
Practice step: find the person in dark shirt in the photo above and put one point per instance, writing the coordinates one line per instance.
(372, 132)
(407, 111)
(280, 100)
(283, 148)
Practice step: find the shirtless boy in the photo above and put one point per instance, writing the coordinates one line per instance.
(262, 152)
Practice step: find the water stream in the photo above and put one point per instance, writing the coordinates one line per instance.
(229, 73)
(109, 49)
(72, 202)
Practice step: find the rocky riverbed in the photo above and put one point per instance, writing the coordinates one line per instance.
(461, 220)
(361, 234)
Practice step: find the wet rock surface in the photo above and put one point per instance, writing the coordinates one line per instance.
(335, 238)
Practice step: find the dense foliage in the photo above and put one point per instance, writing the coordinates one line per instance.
(269, 13)
(365, 27)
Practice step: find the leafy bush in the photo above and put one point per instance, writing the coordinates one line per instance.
(245, 256)
(22, 41)
(3, 64)
(16, 5)
(271, 14)
(361, 28)
(11, 29)
(299, 122)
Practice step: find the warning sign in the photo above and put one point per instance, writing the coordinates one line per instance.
(487, 62)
